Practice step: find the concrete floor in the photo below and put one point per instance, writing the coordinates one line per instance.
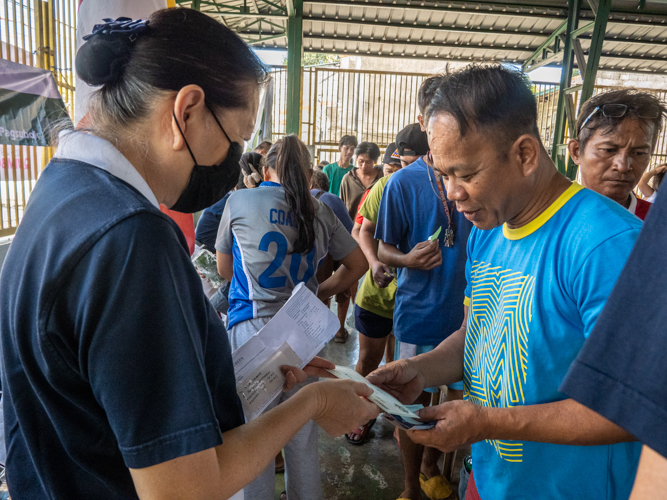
(373, 471)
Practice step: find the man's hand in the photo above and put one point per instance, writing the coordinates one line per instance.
(425, 256)
(401, 379)
(342, 405)
(382, 274)
(460, 423)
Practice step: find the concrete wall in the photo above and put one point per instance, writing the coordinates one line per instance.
(396, 65)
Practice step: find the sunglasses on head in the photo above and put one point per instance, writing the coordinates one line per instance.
(650, 112)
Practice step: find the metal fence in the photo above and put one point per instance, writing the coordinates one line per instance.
(42, 34)
(375, 106)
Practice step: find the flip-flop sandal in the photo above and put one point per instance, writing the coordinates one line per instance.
(343, 338)
(280, 469)
(436, 488)
(365, 430)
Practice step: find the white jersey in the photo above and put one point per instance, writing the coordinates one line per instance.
(258, 229)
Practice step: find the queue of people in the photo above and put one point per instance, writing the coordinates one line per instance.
(486, 273)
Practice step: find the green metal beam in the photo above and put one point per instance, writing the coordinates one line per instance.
(595, 50)
(251, 41)
(248, 14)
(294, 65)
(476, 10)
(565, 81)
(196, 4)
(492, 8)
(540, 52)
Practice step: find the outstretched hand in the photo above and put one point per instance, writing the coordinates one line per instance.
(342, 406)
(401, 379)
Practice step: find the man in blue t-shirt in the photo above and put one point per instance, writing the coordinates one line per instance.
(430, 274)
(542, 260)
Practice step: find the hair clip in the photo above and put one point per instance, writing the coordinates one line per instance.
(123, 26)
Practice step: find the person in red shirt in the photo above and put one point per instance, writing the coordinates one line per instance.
(616, 134)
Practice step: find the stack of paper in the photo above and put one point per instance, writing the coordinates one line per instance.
(294, 336)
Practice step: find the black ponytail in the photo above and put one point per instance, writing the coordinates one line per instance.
(291, 161)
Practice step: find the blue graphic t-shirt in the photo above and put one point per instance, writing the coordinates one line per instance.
(428, 303)
(534, 294)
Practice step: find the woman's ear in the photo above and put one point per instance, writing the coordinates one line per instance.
(188, 102)
(267, 175)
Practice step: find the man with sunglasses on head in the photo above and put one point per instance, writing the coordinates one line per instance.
(616, 135)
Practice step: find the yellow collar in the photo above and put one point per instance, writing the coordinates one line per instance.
(540, 220)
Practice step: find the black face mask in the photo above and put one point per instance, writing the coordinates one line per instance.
(208, 184)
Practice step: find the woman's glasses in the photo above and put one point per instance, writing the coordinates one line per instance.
(650, 112)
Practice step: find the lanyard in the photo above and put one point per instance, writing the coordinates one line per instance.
(450, 231)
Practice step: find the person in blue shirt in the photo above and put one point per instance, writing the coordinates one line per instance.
(117, 374)
(319, 188)
(542, 260)
(430, 274)
(208, 223)
(272, 238)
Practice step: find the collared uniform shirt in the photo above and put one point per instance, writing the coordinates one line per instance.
(112, 356)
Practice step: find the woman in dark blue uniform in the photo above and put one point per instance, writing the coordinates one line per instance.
(117, 373)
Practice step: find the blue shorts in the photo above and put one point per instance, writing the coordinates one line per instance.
(372, 325)
(403, 350)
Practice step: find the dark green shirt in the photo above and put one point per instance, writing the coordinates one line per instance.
(335, 175)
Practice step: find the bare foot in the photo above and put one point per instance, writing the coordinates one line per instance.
(355, 435)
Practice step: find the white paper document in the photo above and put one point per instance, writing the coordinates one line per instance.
(294, 336)
(396, 412)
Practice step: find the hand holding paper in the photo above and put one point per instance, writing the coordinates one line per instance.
(342, 405)
(293, 337)
(295, 375)
(400, 379)
(458, 424)
(425, 255)
(400, 415)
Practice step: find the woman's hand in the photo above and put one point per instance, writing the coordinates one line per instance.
(316, 368)
(342, 405)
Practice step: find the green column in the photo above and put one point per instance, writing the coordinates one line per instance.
(196, 4)
(565, 81)
(595, 50)
(294, 57)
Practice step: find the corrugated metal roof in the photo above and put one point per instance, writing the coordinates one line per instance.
(456, 30)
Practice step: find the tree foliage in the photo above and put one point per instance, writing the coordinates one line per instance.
(313, 59)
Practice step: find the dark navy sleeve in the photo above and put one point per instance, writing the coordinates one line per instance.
(155, 355)
(339, 208)
(392, 224)
(207, 226)
(207, 229)
(620, 372)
